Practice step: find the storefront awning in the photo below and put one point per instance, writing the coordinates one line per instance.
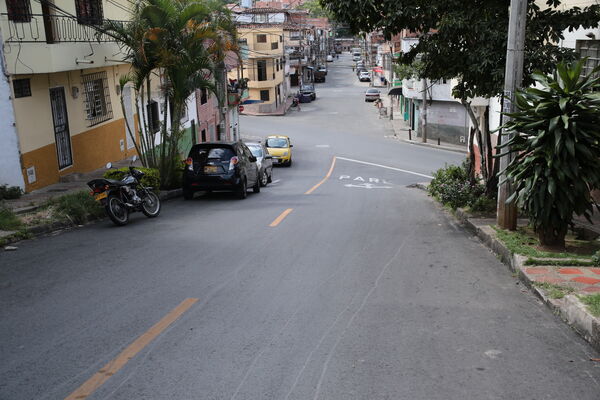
(397, 91)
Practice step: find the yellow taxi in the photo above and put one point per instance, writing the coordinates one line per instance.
(280, 148)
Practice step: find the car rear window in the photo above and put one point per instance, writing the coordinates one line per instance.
(256, 151)
(372, 91)
(207, 153)
(277, 143)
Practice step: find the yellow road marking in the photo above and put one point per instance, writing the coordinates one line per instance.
(119, 362)
(281, 217)
(312, 189)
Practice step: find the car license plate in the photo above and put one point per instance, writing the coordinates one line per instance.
(101, 196)
(210, 169)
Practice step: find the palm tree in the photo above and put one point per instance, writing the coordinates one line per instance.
(181, 40)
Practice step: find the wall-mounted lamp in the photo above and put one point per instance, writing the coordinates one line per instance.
(84, 61)
(591, 35)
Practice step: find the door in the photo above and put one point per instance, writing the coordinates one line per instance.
(62, 136)
(129, 125)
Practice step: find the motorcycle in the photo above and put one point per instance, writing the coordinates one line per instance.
(122, 197)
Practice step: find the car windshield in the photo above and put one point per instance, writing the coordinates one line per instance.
(373, 91)
(256, 150)
(277, 143)
(307, 87)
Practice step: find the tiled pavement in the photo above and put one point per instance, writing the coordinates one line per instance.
(584, 280)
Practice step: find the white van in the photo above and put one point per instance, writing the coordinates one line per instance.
(356, 57)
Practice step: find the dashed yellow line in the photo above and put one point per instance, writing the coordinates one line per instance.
(119, 362)
(281, 217)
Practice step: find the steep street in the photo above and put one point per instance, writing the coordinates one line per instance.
(336, 281)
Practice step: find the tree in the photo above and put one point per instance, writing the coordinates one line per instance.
(557, 150)
(179, 41)
(314, 8)
(466, 40)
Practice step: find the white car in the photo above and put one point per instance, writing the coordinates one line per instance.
(364, 76)
(329, 58)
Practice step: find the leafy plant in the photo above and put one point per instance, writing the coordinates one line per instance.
(452, 187)
(556, 149)
(10, 192)
(8, 220)
(77, 207)
(150, 179)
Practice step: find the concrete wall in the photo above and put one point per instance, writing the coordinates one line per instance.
(10, 166)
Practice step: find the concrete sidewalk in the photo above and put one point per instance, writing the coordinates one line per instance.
(403, 132)
(76, 182)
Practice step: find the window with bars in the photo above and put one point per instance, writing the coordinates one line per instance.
(97, 98)
(89, 12)
(274, 45)
(261, 38)
(264, 95)
(22, 88)
(18, 10)
(591, 50)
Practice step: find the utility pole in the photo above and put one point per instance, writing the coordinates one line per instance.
(424, 112)
(513, 79)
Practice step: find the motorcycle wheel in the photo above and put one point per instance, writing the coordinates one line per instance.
(151, 205)
(117, 211)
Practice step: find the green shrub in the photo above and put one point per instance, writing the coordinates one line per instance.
(10, 192)
(78, 207)
(150, 179)
(451, 186)
(596, 258)
(8, 220)
(483, 204)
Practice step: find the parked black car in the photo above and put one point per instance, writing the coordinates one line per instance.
(226, 166)
(308, 90)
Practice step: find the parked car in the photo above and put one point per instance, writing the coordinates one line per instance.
(372, 94)
(227, 166)
(280, 148)
(329, 58)
(264, 161)
(356, 57)
(364, 76)
(319, 75)
(308, 90)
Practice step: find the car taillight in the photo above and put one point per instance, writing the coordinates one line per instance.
(190, 164)
(234, 160)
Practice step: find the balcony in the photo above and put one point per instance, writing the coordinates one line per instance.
(45, 28)
(45, 43)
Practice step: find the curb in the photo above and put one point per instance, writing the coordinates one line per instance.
(569, 308)
(39, 230)
(434, 146)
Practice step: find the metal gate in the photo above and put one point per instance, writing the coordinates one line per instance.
(61, 127)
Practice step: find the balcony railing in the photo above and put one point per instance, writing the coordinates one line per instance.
(44, 28)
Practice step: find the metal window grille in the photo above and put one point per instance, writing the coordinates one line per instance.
(591, 50)
(264, 95)
(261, 38)
(18, 10)
(274, 45)
(22, 87)
(89, 12)
(97, 98)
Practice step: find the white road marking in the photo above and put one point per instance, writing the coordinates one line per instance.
(333, 113)
(276, 181)
(384, 166)
(367, 186)
(322, 145)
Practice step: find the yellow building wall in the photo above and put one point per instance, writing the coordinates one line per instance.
(91, 146)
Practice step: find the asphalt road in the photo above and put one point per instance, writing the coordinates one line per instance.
(365, 290)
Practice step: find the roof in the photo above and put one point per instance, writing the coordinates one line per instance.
(262, 11)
